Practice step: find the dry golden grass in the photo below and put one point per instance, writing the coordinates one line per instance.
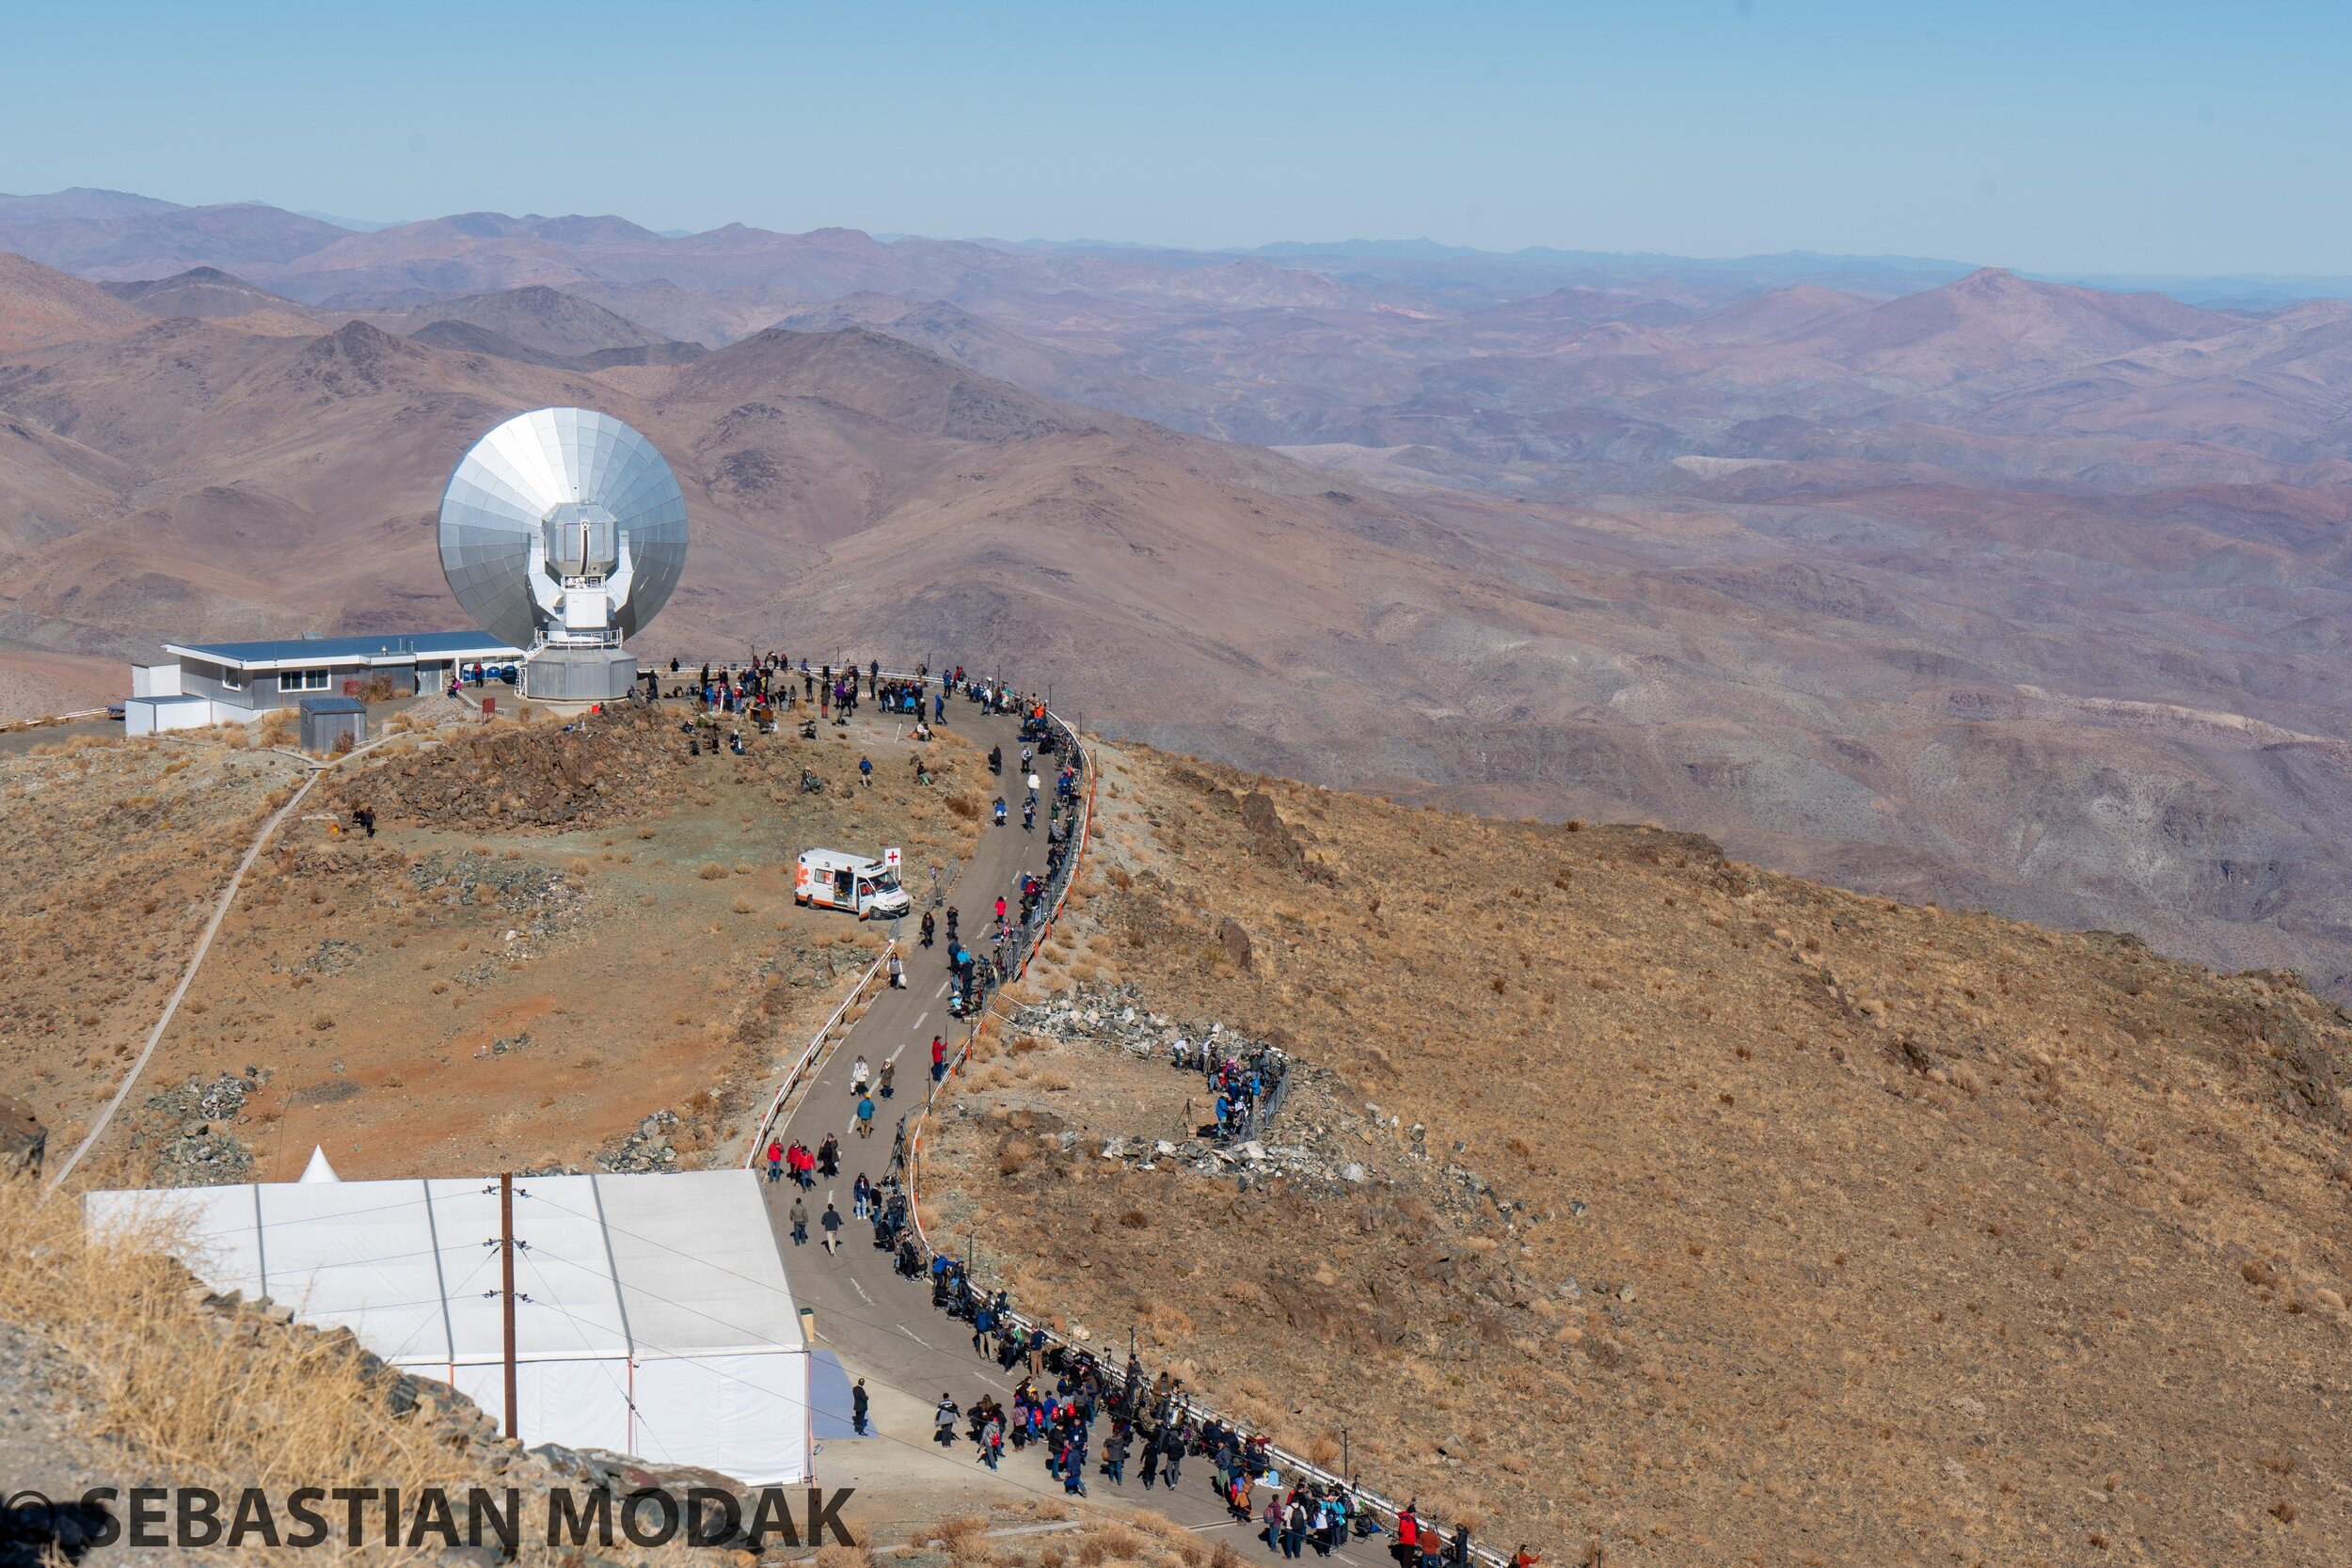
(209, 1399)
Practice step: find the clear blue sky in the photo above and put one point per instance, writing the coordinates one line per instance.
(2069, 135)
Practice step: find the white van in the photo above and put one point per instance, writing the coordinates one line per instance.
(835, 880)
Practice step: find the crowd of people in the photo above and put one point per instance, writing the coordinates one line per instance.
(768, 689)
(1241, 1076)
(1089, 1423)
(1068, 1402)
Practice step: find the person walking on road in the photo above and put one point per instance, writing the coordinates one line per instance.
(858, 1072)
(800, 1222)
(1115, 1455)
(865, 1115)
(926, 928)
(775, 1162)
(857, 1407)
(831, 1223)
(882, 1083)
(944, 1421)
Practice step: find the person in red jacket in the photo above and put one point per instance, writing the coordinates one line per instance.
(1409, 1536)
(775, 1162)
(939, 1058)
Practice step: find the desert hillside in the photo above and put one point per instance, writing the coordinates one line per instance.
(559, 945)
(1925, 670)
(1629, 1195)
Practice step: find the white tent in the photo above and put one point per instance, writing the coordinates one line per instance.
(653, 1316)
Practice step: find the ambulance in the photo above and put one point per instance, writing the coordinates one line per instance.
(835, 880)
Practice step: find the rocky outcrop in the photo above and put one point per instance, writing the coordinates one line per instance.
(22, 1139)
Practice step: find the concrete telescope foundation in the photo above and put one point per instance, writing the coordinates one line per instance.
(560, 674)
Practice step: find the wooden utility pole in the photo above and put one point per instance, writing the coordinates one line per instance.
(506, 1261)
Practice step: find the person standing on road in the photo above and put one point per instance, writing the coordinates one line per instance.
(831, 1223)
(775, 1162)
(857, 1407)
(800, 1223)
(939, 1058)
(858, 1072)
(983, 1325)
(926, 928)
(898, 974)
(860, 1197)
(944, 1421)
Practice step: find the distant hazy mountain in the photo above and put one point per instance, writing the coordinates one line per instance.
(1951, 583)
(358, 226)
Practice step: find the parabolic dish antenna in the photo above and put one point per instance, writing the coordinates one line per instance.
(562, 528)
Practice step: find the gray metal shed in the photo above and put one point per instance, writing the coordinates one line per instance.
(327, 720)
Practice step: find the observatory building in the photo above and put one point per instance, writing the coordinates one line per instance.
(562, 533)
(194, 684)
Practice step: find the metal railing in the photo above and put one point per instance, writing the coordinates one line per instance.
(810, 1057)
(806, 1065)
(1296, 1463)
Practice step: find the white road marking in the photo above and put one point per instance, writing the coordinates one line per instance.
(919, 1024)
(942, 990)
(861, 1291)
(917, 1338)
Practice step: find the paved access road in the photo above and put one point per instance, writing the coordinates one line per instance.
(880, 1326)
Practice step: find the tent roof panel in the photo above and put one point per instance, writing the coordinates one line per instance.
(661, 1266)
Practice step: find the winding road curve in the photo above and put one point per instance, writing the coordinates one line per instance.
(880, 1326)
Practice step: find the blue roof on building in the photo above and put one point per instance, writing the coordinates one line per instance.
(321, 650)
(333, 704)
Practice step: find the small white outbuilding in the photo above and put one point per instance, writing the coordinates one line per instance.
(653, 1316)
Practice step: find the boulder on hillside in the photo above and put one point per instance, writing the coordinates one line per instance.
(22, 1139)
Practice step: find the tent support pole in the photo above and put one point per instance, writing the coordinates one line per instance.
(506, 1261)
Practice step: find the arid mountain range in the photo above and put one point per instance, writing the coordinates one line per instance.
(1940, 583)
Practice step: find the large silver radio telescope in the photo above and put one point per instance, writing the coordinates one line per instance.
(563, 532)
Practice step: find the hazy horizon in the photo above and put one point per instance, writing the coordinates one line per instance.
(2107, 139)
(2329, 282)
